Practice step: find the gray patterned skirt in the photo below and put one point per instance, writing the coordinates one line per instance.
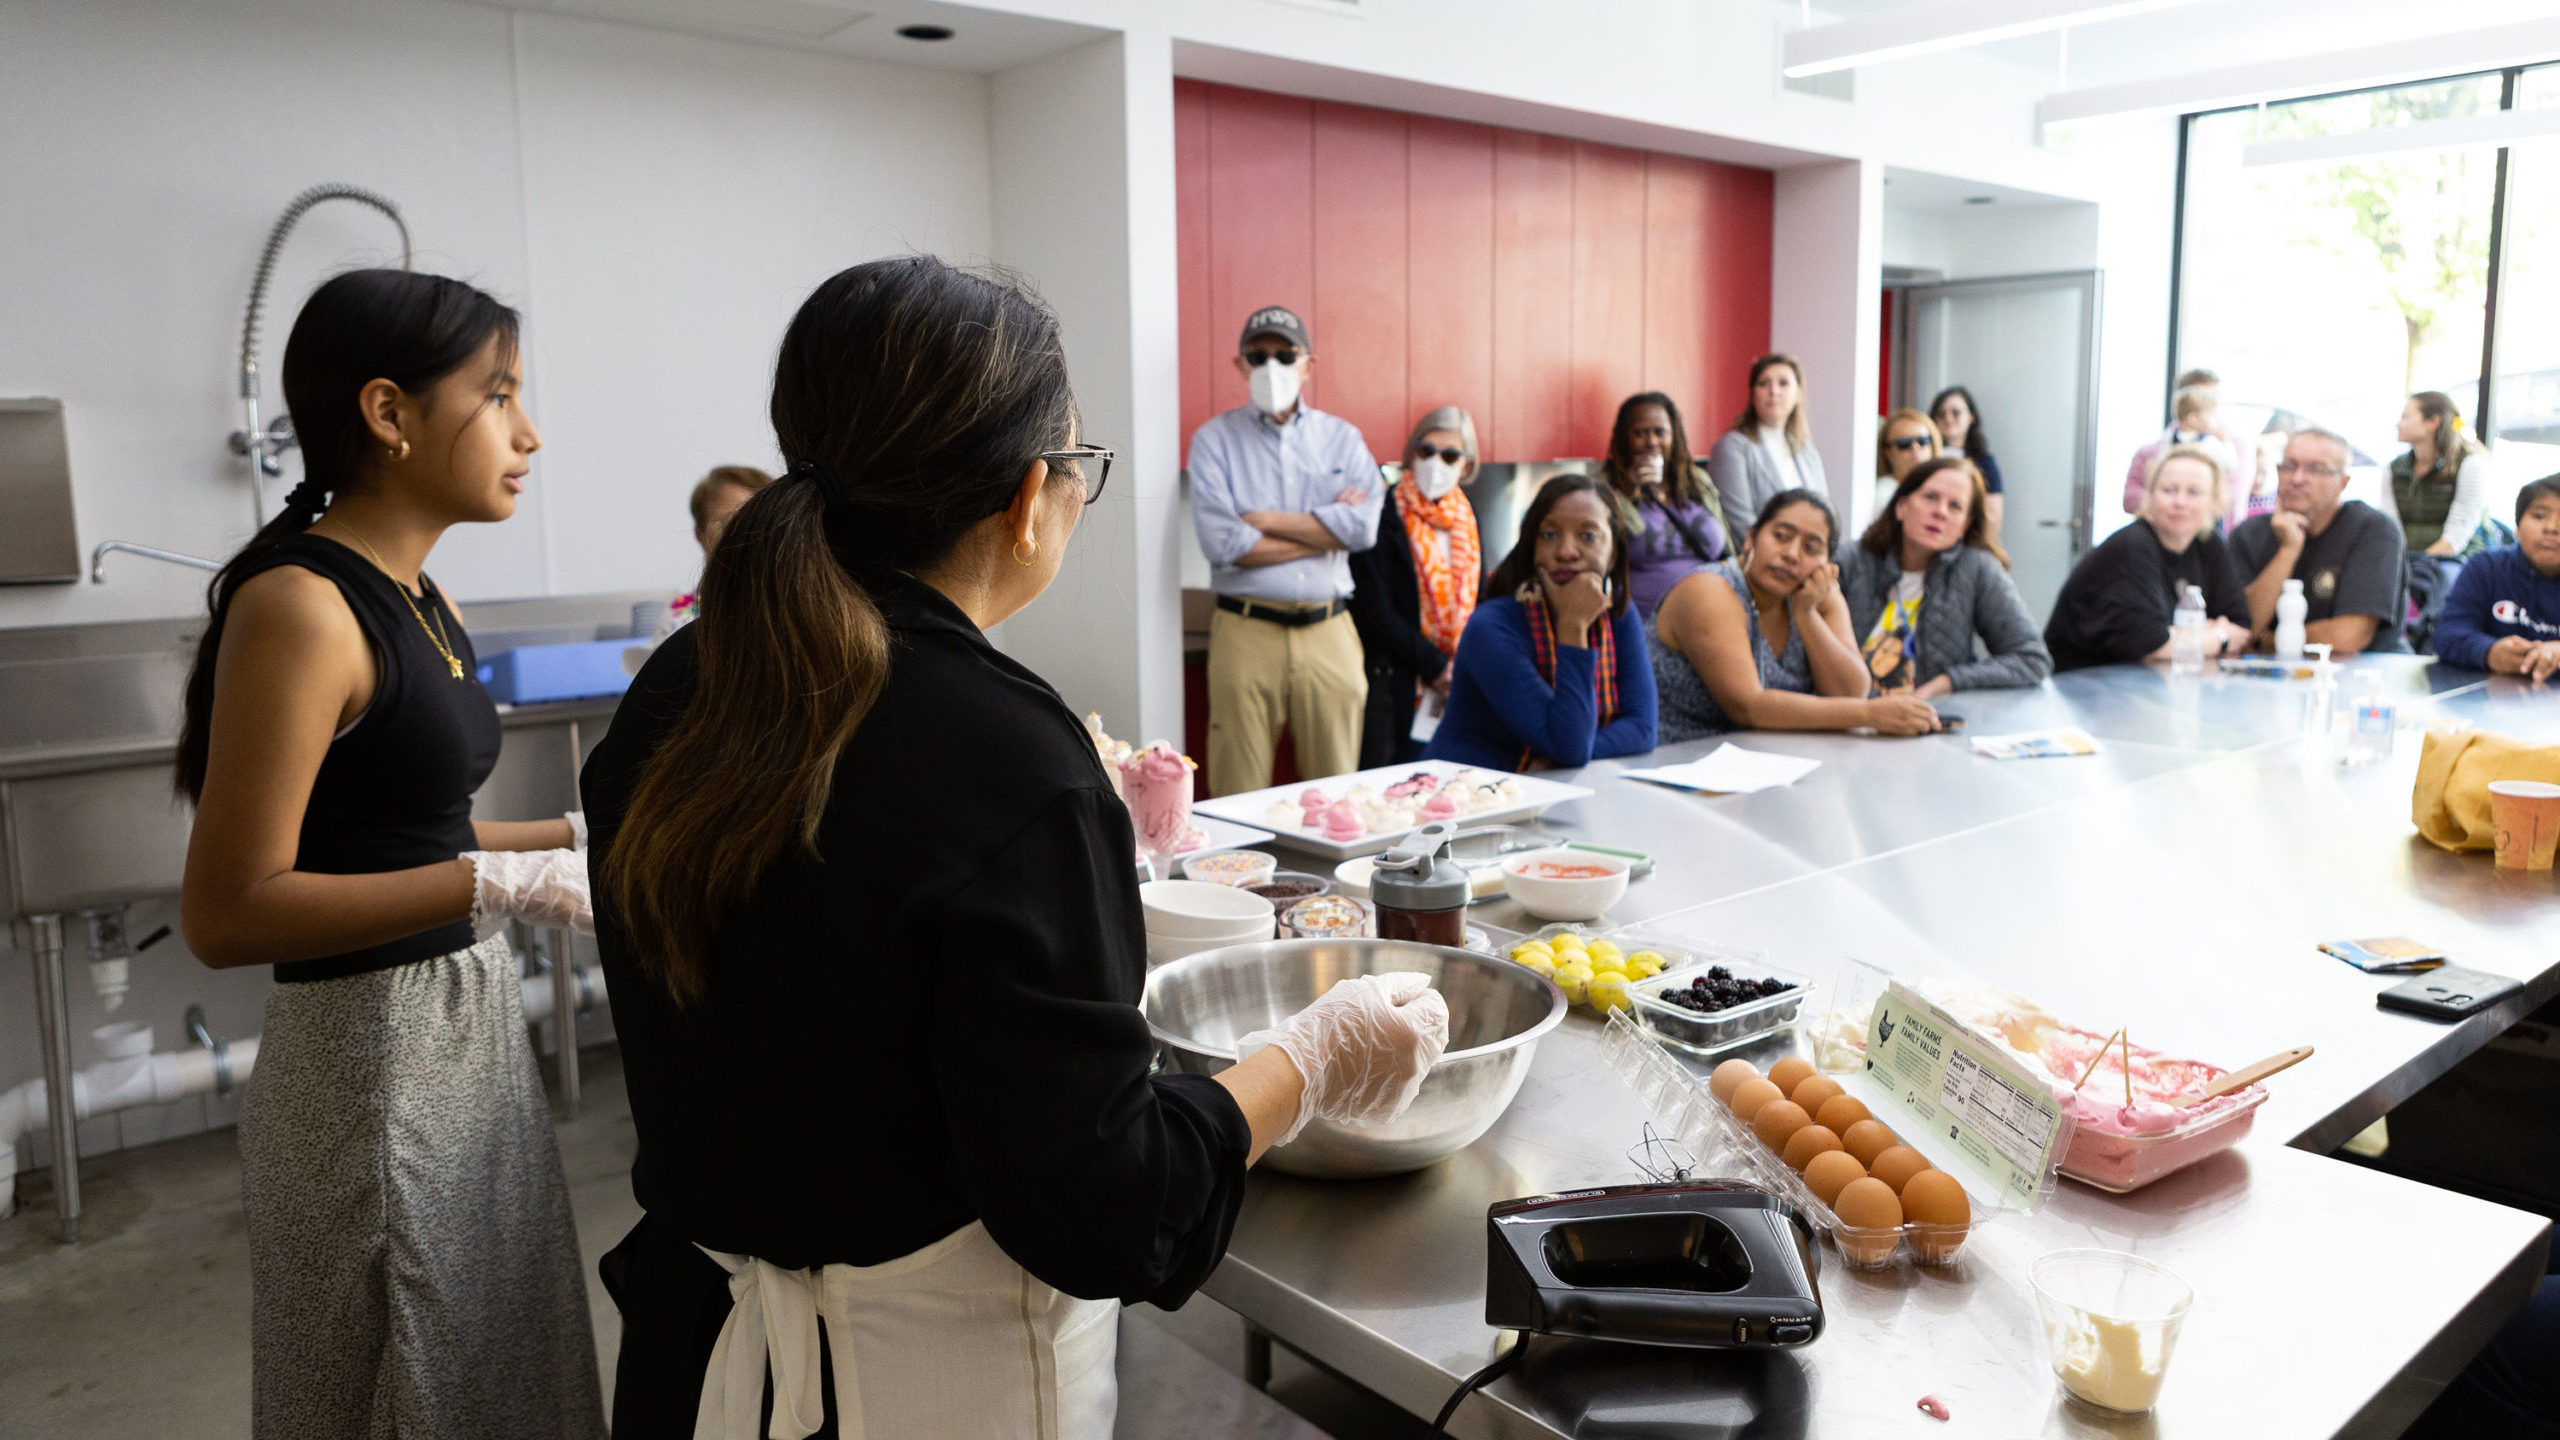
(414, 1266)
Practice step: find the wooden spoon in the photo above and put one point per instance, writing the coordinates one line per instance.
(2248, 1075)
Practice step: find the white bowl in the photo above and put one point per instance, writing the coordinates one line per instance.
(1197, 910)
(1552, 898)
(1248, 867)
(1351, 877)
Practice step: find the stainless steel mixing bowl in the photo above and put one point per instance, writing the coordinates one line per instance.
(1199, 1004)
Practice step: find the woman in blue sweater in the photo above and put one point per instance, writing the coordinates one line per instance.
(2504, 612)
(1552, 670)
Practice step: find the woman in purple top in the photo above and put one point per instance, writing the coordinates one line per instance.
(1666, 503)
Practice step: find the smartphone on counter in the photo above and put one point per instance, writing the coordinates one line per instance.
(2451, 993)
(1947, 722)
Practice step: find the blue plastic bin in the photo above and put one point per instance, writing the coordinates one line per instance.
(532, 674)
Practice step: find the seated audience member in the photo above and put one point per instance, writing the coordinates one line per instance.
(2197, 422)
(1762, 641)
(2504, 612)
(1960, 432)
(2118, 605)
(2440, 484)
(1413, 590)
(1926, 580)
(718, 496)
(1903, 441)
(2345, 553)
(1552, 670)
(1770, 447)
(1672, 514)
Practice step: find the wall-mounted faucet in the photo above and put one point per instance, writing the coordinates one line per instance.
(98, 558)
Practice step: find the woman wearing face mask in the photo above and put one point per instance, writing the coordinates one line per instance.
(1762, 641)
(874, 943)
(1417, 585)
(1960, 432)
(1906, 438)
(2440, 484)
(1667, 505)
(1552, 671)
(1926, 581)
(1770, 447)
(2117, 606)
(413, 1263)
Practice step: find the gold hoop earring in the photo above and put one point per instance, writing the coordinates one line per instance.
(1024, 551)
(402, 453)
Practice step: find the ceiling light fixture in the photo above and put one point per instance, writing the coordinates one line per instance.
(925, 32)
(1944, 25)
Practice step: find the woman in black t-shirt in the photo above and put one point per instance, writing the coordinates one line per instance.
(2118, 605)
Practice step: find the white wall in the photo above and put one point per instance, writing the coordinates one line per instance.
(656, 203)
(1826, 308)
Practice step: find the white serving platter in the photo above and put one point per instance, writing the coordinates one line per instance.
(1248, 808)
(1223, 835)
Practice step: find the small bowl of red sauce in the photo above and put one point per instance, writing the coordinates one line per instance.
(1566, 884)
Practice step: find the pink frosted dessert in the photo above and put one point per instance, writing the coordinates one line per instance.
(1343, 822)
(1440, 807)
(1156, 782)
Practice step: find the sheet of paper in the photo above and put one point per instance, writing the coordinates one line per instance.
(2036, 744)
(1731, 770)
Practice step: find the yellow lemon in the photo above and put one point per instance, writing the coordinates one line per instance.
(1608, 964)
(1527, 948)
(1606, 992)
(1641, 968)
(1571, 979)
(1606, 947)
(1539, 965)
(1562, 938)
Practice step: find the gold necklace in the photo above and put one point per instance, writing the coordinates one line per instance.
(435, 633)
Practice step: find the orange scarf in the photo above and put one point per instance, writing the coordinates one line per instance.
(1448, 560)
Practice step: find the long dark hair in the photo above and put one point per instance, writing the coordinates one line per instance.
(1520, 567)
(1679, 467)
(1799, 425)
(2452, 444)
(1884, 533)
(366, 325)
(1976, 444)
(909, 397)
(1777, 504)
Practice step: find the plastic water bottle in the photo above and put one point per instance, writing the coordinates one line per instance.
(2186, 634)
(2369, 738)
(2291, 607)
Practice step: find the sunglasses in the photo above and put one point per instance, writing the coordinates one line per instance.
(1092, 462)
(1454, 457)
(1271, 355)
(1908, 442)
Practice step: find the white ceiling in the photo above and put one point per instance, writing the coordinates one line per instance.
(981, 40)
(1921, 192)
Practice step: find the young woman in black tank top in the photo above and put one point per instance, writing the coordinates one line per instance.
(414, 1266)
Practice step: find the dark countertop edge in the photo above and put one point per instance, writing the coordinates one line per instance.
(35, 762)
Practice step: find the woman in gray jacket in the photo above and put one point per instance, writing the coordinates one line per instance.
(1927, 579)
(1769, 450)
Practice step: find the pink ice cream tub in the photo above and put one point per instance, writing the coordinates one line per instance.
(1156, 782)
(2120, 1147)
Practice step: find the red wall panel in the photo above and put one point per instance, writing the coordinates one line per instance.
(1608, 292)
(1533, 291)
(1360, 260)
(1200, 350)
(1449, 280)
(1733, 326)
(1261, 221)
(1676, 282)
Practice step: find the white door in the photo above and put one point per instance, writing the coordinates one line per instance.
(2027, 347)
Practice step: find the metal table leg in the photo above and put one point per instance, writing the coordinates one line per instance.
(1257, 1356)
(53, 1019)
(564, 1012)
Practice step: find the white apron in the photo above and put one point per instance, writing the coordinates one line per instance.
(953, 1340)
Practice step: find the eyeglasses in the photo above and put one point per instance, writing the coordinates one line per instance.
(2316, 472)
(1097, 456)
(1454, 457)
(1908, 442)
(1272, 354)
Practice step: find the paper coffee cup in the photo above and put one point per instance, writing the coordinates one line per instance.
(2526, 816)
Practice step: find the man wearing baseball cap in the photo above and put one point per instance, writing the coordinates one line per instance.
(1281, 493)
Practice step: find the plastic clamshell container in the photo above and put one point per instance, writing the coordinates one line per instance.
(2125, 1163)
(1709, 1033)
(1676, 954)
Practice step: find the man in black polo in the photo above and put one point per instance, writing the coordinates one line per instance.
(2345, 552)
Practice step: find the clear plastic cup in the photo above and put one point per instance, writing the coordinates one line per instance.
(2111, 1321)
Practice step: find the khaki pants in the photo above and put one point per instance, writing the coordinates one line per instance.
(1262, 675)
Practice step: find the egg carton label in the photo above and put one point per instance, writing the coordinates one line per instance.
(1964, 1094)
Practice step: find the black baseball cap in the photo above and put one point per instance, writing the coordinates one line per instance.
(1277, 320)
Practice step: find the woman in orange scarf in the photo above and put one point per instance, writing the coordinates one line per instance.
(1416, 587)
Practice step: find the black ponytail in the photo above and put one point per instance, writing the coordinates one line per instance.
(366, 325)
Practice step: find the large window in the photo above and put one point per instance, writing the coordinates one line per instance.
(2338, 254)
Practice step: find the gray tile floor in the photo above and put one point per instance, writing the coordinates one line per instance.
(143, 1327)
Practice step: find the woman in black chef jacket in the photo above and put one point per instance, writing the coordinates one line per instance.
(413, 1265)
(866, 907)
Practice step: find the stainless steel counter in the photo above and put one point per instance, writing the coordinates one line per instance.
(2176, 884)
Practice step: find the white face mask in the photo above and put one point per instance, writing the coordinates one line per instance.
(1434, 477)
(1274, 387)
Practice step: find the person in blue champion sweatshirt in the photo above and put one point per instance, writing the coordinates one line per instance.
(2504, 612)
(1552, 670)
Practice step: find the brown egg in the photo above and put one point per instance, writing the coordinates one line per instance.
(1896, 1166)
(1868, 1205)
(1830, 1170)
(1728, 1075)
(1812, 1091)
(1750, 1095)
(1839, 1113)
(1777, 1122)
(1789, 1073)
(1806, 1143)
(1933, 1198)
(1867, 1139)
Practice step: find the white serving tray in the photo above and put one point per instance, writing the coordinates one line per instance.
(1223, 835)
(1536, 795)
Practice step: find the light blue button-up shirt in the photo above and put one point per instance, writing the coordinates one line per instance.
(1244, 460)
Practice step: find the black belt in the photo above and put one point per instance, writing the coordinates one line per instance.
(1263, 610)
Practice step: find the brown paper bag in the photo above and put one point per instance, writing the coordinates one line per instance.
(2450, 805)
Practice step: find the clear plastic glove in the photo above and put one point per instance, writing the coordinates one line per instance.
(1363, 1047)
(538, 887)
